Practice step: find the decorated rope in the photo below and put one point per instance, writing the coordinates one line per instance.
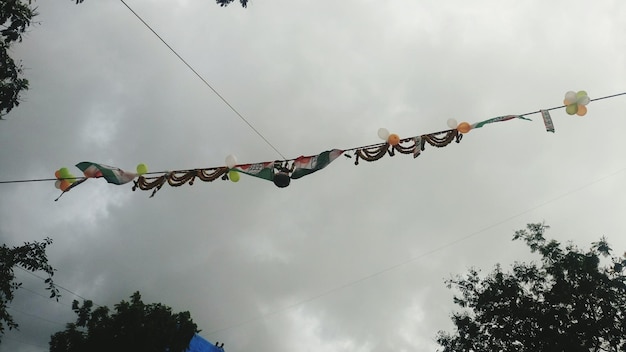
(281, 172)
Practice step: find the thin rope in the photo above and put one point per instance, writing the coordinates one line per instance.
(287, 160)
(204, 80)
(412, 259)
(59, 286)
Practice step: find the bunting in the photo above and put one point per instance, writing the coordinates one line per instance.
(281, 172)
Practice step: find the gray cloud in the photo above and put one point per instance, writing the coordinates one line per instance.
(352, 258)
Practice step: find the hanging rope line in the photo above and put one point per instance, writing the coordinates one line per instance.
(204, 80)
(281, 172)
(412, 259)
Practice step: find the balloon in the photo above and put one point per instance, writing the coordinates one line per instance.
(464, 127)
(393, 139)
(90, 172)
(452, 123)
(571, 109)
(57, 184)
(583, 100)
(233, 175)
(282, 179)
(64, 185)
(142, 169)
(580, 94)
(570, 97)
(383, 134)
(57, 174)
(71, 178)
(582, 110)
(231, 161)
(64, 172)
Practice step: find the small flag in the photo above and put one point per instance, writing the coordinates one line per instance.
(305, 165)
(263, 170)
(111, 174)
(499, 119)
(547, 120)
(418, 146)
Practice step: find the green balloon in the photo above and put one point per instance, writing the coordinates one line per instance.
(65, 172)
(581, 94)
(233, 175)
(571, 109)
(142, 169)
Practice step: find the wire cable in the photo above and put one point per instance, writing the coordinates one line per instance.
(203, 80)
(412, 259)
(287, 160)
(59, 286)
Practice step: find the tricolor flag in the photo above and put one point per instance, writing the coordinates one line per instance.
(305, 165)
(499, 119)
(111, 174)
(261, 170)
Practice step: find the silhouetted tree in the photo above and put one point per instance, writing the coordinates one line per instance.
(31, 257)
(566, 303)
(15, 17)
(133, 326)
(244, 3)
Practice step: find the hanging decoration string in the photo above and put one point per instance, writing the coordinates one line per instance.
(281, 172)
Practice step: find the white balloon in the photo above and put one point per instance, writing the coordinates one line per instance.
(452, 123)
(570, 97)
(231, 161)
(383, 133)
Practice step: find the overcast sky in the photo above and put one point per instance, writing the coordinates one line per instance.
(352, 258)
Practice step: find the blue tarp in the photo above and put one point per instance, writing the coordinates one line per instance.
(199, 344)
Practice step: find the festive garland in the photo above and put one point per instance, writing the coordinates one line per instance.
(281, 172)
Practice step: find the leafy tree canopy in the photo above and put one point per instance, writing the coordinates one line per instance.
(568, 301)
(133, 326)
(15, 17)
(223, 3)
(31, 257)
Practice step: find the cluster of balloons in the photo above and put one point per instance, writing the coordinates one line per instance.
(64, 179)
(575, 102)
(462, 127)
(391, 138)
(231, 161)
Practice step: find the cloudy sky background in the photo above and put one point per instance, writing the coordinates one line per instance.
(352, 258)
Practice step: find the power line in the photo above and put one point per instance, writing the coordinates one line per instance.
(287, 160)
(204, 80)
(59, 286)
(35, 316)
(410, 260)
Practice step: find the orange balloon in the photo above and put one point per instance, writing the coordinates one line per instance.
(57, 174)
(582, 110)
(464, 127)
(65, 184)
(393, 139)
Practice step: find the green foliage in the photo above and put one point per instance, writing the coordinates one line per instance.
(223, 3)
(567, 302)
(15, 18)
(31, 257)
(133, 326)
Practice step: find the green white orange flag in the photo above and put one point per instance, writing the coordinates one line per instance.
(111, 174)
(305, 165)
(499, 119)
(263, 170)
